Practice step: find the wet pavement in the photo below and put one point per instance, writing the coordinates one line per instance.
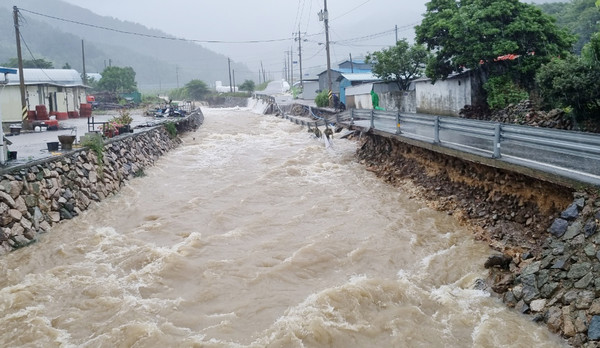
(32, 145)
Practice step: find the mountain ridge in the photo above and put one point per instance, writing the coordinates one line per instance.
(160, 64)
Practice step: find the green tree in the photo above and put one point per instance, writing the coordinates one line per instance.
(116, 79)
(399, 64)
(40, 63)
(196, 89)
(248, 85)
(67, 66)
(591, 51)
(571, 82)
(580, 17)
(473, 34)
(179, 94)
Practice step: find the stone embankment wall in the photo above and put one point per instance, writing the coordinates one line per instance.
(560, 285)
(547, 235)
(38, 195)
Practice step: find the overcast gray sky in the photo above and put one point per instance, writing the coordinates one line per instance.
(356, 26)
(243, 20)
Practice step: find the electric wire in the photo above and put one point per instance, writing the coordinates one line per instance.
(33, 58)
(355, 8)
(150, 35)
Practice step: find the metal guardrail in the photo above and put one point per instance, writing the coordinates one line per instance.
(574, 155)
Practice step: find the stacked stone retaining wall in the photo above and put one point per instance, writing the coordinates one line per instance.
(38, 195)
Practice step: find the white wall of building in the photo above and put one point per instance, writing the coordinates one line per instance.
(446, 97)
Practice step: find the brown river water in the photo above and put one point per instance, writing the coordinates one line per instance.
(254, 234)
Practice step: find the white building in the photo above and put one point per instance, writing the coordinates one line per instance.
(60, 90)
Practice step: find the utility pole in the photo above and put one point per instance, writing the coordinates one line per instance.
(324, 16)
(351, 64)
(300, 58)
(396, 33)
(233, 80)
(21, 77)
(83, 58)
(292, 66)
(285, 67)
(177, 74)
(230, 86)
(263, 72)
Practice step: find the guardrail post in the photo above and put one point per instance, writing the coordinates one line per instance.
(497, 129)
(398, 123)
(351, 116)
(372, 119)
(436, 130)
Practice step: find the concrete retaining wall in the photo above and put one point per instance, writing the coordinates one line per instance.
(38, 195)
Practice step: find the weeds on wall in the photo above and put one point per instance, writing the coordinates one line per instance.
(96, 144)
(171, 129)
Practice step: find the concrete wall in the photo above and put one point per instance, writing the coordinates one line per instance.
(402, 101)
(446, 97)
(38, 195)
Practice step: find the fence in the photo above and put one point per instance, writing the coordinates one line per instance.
(570, 154)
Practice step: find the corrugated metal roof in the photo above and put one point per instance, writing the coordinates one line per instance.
(58, 77)
(365, 88)
(360, 77)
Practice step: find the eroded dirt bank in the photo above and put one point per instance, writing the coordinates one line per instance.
(511, 211)
(548, 262)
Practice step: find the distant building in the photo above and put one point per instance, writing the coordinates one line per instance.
(348, 80)
(61, 91)
(356, 65)
(345, 67)
(224, 89)
(95, 76)
(310, 90)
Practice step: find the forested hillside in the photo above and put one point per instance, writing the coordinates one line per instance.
(159, 64)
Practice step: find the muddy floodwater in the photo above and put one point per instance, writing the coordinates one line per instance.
(254, 234)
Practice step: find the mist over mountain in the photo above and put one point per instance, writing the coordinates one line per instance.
(159, 64)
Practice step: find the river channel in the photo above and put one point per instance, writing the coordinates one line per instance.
(254, 234)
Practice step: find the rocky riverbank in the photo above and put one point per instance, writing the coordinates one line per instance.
(38, 195)
(546, 235)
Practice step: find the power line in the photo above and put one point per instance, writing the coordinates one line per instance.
(34, 59)
(154, 36)
(342, 15)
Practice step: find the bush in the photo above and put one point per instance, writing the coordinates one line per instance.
(571, 82)
(322, 99)
(171, 129)
(502, 91)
